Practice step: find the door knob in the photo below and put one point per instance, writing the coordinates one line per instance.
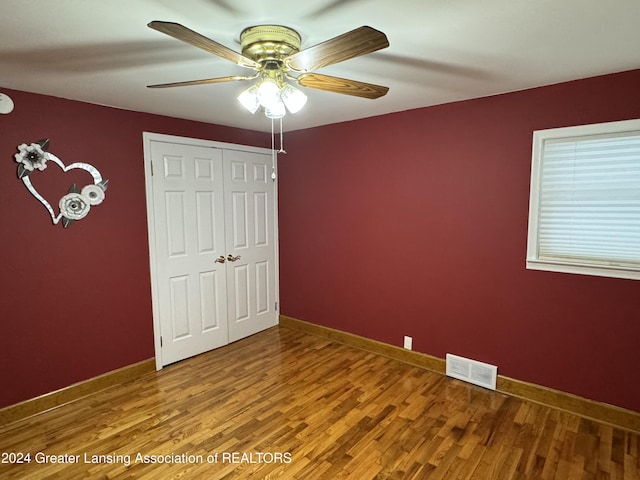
(231, 258)
(220, 259)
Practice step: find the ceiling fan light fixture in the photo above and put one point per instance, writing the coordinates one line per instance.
(293, 98)
(249, 99)
(272, 51)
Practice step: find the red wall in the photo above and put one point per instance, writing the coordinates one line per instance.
(416, 224)
(408, 224)
(76, 302)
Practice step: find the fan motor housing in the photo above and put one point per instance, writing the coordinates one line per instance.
(263, 43)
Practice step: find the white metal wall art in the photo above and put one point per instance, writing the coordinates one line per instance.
(77, 203)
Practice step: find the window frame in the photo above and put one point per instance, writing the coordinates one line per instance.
(558, 264)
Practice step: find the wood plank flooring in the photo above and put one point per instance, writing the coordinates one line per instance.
(288, 405)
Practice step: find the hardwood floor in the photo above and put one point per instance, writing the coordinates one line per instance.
(288, 405)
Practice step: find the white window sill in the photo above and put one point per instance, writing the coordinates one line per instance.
(580, 269)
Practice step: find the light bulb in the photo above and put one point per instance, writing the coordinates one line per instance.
(293, 98)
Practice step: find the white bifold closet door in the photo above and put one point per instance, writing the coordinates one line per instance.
(214, 248)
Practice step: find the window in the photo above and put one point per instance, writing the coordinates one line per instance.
(584, 212)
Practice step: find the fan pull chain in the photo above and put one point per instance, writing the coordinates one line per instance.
(281, 139)
(273, 138)
(274, 154)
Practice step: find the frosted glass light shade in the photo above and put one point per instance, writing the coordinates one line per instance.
(249, 99)
(293, 98)
(268, 93)
(276, 110)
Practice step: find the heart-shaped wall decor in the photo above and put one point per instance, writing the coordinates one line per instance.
(76, 204)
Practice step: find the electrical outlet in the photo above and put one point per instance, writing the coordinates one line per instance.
(408, 342)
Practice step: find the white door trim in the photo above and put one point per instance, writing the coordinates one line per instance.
(149, 137)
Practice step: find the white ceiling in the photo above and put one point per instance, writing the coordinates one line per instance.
(440, 51)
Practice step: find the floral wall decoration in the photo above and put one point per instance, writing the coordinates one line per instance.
(75, 205)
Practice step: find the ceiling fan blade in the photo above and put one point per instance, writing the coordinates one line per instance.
(187, 35)
(355, 43)
(202, 82)
(342, 85)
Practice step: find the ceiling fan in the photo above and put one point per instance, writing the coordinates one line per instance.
(273, 51)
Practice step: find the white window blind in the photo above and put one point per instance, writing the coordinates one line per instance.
(585, 200)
